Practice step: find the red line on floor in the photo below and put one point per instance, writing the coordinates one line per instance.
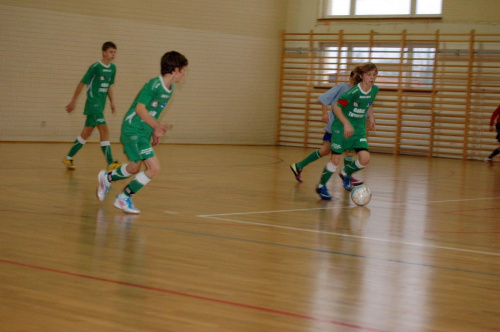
(193, 296)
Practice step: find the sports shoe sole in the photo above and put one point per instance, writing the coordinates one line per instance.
(354, 182)
(100, 177)
(323, 197)
(68, 165)
(124, 209)
(347, 186)
(296, 172)
(113, 166)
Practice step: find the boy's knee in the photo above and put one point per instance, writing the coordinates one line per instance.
(364, 160)
(152, 172)
(363, 157)
(133, 169)
(324, 151)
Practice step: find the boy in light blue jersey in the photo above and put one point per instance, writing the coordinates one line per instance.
(141, 130)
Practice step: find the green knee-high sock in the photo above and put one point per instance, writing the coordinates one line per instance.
(140, 180)
(309, 159)
(119, 174)
(348, 160)
(106, 150)
(353, 168)
(326, 175)
(77, 145)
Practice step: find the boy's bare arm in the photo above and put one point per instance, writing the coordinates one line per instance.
(324, 116)
(71, 106)
(111, 99)
(371, 119)
(142, 112)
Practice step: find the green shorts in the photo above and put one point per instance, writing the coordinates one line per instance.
(137, 148)
(340, 144)
(95, 120)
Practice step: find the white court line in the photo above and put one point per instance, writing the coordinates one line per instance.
(217, 217)
(452, 200)
(341, 207)
(273, 211)
(351, 236)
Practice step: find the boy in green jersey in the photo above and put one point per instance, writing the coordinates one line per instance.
(99, 78)
(141, 130)
(330, 97)
(349, 128)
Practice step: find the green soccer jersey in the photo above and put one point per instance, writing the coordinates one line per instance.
(98, 78)
(155, 95)
(355, 104)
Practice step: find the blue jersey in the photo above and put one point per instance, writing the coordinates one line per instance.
(330, 98)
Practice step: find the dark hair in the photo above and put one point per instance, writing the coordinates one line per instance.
(107, 45)
(172, 60)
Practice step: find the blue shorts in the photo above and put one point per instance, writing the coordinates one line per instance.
(327, 137)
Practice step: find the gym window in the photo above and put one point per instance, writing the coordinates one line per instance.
(417, 60)
(381, 8)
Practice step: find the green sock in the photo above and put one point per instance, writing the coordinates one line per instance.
(325, 176)
(348, 160)
(352, 168)
(309, 159)
(120, 173)
(106, 149)
(140, 180)
(77, 145)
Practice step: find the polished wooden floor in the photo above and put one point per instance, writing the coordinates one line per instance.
(228, 241)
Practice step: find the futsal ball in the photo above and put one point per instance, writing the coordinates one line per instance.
(361, 195)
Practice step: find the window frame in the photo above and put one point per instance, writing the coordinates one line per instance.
(413, 8)
(349, 49)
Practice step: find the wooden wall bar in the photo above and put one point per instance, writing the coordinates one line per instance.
(437, 91)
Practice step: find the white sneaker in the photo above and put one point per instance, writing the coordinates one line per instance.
(104, 185)
(124, 203)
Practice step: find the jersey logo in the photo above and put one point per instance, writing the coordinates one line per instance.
(146, 151)
(356, 104)
(130, 117)
(343, 102)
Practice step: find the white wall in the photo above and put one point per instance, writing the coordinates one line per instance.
(230, 94)
(458, 16)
